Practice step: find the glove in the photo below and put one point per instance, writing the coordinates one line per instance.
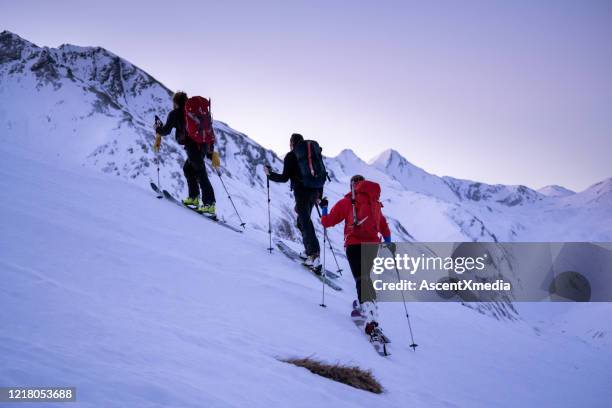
(323, 203)
(390, 245)
(216, 161)
(158, 124)
(267, 170)
(157, 143)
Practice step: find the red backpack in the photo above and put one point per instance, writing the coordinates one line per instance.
(198, 120)
(365, 196)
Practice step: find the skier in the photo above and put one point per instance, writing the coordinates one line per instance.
(360, 210)
(194, 168)
(307, 189)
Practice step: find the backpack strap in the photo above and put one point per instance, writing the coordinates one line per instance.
(310, 165)
(353, 204)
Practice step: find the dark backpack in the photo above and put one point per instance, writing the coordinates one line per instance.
(310, 163)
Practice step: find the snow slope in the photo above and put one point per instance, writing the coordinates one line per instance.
(137, 302)
(140, 303)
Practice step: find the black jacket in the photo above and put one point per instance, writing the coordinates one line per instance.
(175, 120)
(291, 172)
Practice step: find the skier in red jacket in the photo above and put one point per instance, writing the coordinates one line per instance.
(364, 223)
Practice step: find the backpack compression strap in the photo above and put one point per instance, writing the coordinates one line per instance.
(353, 204)
(310, 165)
(199, 119)
(356, 222)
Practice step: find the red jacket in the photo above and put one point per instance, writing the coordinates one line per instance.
(367, 232)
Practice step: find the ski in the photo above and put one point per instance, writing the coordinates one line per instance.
(169, 197)
(294, 255)
(291, 254)
(378, 340)
(157, 190)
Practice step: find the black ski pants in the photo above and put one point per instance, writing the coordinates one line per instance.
(305, 199)
(195, 173)
(361, 265)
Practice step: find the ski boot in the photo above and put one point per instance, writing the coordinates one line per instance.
(191, 202)
(371, 329)
(208, 210)
(314, 263)
(370, 311)
(357, 314)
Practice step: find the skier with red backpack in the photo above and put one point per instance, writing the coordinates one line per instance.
(192, 121)
(364, 223)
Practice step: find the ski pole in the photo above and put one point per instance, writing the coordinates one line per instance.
(331, 248)
(159, 195)
(413, 345)
(158, 123)
(242, 223)
(269, 219)
(323, 268)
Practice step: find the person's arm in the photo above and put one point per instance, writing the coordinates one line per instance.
(384, 229)
(170, 124)
(288, 169)
(337, 213)
(209, 149)
(209, 136)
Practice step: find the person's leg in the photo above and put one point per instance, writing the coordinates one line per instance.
(192, 183)
(303, 206)
(208, 194)
(368, 253)
(196, 161)
(361, 259)
(314, 241)
(353, 256)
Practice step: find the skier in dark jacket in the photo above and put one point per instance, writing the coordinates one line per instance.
(361, 204)
(305, 199)
(194, 168)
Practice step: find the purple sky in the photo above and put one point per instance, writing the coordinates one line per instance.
(514, 92)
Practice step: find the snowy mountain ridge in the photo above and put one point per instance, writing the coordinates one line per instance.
(96, 109)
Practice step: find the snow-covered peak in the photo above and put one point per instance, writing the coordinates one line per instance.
(10, 37)
(12, 46)
(600, 188)
(387, 158)
(411, 177)
(599, 194)
(347, 155)
(555, 191)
